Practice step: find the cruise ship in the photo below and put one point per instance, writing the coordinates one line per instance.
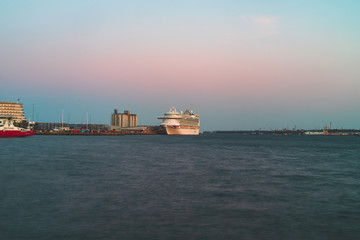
(176, 123)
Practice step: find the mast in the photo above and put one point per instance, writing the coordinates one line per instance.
(33, 116)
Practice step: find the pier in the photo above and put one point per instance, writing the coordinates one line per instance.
(144, 130)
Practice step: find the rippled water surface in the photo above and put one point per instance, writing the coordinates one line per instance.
(180, 187)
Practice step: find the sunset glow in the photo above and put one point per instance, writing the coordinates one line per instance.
(240, 65)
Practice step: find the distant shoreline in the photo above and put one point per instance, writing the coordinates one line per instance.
(343, 132)
(323, 132)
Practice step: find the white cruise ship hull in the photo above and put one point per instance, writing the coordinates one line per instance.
(180, 123)
(181, 130)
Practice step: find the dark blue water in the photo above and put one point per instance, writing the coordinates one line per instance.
(177, 187)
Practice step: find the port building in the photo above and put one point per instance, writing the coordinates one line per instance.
(123, 120)
(13, 109)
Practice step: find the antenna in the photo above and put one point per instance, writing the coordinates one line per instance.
(33, 117)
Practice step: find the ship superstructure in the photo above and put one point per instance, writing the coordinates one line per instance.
(176, 123)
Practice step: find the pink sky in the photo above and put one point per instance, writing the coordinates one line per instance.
(229, 61)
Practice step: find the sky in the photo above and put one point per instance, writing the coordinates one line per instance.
(240, 65)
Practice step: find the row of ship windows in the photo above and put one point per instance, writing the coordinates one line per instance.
(18, 107)
(12, 111)
(9, 105)
(8, 110)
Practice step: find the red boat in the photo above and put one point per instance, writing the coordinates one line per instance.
(8, 129)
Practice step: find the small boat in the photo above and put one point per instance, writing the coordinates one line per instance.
(8, 129)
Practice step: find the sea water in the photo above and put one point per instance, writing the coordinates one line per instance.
(180, 187)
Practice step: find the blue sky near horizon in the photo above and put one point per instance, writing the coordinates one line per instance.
(239, 64)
